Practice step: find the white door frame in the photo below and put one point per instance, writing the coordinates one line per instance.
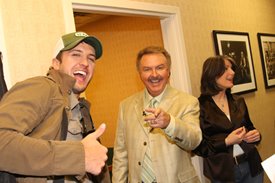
(171, 27)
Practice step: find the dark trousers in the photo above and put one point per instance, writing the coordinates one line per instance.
(243, 175)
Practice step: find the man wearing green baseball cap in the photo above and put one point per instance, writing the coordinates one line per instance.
(69, 41)
(46, 131)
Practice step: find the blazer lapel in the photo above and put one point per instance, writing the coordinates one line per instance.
(235, 114)
(167, 99)
(139, 113)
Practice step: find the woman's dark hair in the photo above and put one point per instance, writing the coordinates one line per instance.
(213, 68)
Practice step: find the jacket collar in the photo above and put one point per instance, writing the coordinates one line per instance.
(65, 81)
(204, 98)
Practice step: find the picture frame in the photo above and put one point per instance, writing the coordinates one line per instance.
(237, 46)
(267, 53)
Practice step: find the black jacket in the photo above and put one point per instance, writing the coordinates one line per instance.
(218, 162)
(3, 87)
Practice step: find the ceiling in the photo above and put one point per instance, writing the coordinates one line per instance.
(82, 19)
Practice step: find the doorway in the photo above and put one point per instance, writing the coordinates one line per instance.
(169, 22)
(115, 76)
(171, 30)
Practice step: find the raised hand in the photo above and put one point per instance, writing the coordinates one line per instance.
(157, 118)
(95, 153)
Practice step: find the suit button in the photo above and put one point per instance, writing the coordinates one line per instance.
(145, 143)
(139, 163)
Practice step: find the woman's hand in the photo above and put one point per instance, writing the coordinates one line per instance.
(252, 136)
(236, 136)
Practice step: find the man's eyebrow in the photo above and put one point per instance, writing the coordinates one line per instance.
(92, 54)
(75, 50)
(80, 51)
(154, 66)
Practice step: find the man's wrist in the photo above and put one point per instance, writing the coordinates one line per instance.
(169, 130)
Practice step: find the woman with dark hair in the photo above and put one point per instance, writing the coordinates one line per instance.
(229, 137)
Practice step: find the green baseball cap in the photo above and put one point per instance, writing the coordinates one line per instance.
(71, 40)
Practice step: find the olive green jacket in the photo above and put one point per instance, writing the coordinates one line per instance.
(33, 120)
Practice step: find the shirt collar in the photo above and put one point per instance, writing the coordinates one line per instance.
(148, 97)
(73, 101)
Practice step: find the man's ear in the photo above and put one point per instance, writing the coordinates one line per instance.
(55, 63)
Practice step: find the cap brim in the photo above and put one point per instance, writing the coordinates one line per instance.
(95, 43)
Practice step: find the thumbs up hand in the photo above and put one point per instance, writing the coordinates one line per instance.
(95, 153)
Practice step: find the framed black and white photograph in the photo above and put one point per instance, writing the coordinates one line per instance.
(237, 46)
(267, 52)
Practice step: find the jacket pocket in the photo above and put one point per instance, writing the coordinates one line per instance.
(188, 176)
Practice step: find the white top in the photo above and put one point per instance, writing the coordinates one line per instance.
(237, 150)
